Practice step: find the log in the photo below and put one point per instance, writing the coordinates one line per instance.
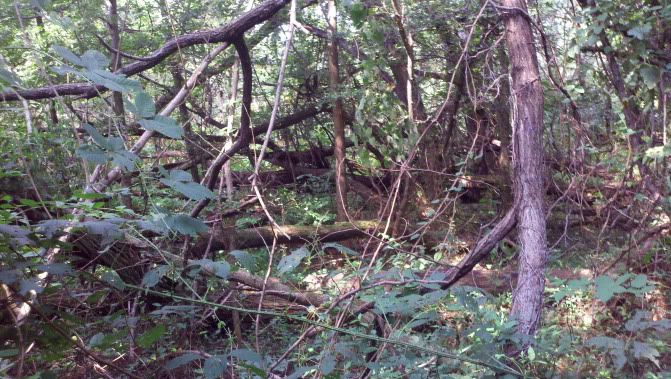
(229, 238)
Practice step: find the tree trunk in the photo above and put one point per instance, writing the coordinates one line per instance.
(338, 119)
(528, 168)
(229, 127)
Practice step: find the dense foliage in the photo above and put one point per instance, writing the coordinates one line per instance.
(178, 199)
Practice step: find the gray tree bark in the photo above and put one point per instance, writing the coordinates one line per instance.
(528, 168)
(338, 118)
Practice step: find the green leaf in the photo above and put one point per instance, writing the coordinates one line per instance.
(531, 353)
(97, 340)
(95, 134)
(7, 77)
(640, 32)
(328, 364)
(181, 182)
(40, 4)
(658, 152)
(68, 55)
(606, 288)
(185, 224)
(221, 269)
(93, 59)
(143, 106)
(108, 149)
(151, 336)
(109, 231)
(214, 366)
(153, 276)
(111, 81)
(245, 259)
(181, 360)
(289, 262)
(639, 281)
(246, 222)
(358, 13)
(247, 356)
(644, 350)
(614, 346)
(113, 279)
(650, 75)
(255, 370)
(17, 236)
(92, 154)
(164, 125)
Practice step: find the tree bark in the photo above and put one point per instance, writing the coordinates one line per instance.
(528, 168)
(229, 126)
(338, 119)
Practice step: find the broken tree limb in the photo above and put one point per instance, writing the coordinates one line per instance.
(482, 248)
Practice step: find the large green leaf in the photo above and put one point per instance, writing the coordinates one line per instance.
(93, 59)
(612, 345)
(650, 75)
(164, 125)
(221, 269)
(247, 356)
(184, 224)
(606, 288)
(108, 149)
(181, 182)
(93, 154)
(644, 350)
(153, 276)
(114, 82)
(68, 55)
(143, 106)
(245, 259)
(640, 32)
(214, 366)
(181, 360)
(151, 336)
(289, 262)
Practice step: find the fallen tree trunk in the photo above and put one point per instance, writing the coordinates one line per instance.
(229, 238)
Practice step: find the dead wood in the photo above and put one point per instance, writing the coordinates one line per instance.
(229, 238)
